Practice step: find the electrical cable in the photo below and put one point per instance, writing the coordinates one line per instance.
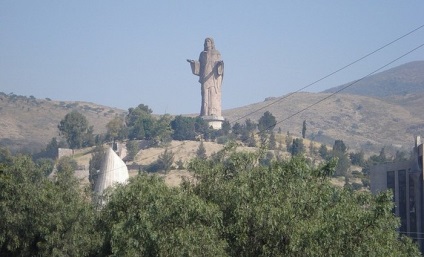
(325, 98)
(332, 94)
(347, 86)
(343, 88)
(330, 74)
(319, 101)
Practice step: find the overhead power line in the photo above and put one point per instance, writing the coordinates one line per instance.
(330, 74)
(319, 101)
(347, 86)
(319, 80)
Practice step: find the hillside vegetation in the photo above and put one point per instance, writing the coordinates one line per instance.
(361, 122)
(30, 123)
(236, 207)
(382, 110)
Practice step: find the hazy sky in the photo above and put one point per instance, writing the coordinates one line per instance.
(123, 53)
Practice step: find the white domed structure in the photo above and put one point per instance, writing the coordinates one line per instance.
(112, 171)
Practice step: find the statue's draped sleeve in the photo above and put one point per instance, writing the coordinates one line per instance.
(195, 67)
(220, 68)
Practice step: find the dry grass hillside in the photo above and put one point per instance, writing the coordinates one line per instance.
(183, 151)
(392, 117)
(360, 121)
(27, 122)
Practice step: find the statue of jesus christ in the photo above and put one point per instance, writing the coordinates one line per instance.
(210, 69)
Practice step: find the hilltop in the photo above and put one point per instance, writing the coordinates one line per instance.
(402, 80)
(382, 110)
(30, 123)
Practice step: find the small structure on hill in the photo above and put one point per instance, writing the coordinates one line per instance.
(113, 170)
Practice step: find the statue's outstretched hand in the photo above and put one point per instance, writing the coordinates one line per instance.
(190, 61)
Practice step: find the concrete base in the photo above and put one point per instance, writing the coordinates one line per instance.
(214, 121)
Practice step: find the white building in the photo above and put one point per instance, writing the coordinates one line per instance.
(113, 170)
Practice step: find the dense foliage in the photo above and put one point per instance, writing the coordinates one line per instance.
(267, 122)
(235, 206)
(76, 130)
(41, 216)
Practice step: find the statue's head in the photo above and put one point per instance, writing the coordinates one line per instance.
(209, 44)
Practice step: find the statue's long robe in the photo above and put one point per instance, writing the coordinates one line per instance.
(210, 74)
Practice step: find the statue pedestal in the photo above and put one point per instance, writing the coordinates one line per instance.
(214, 121)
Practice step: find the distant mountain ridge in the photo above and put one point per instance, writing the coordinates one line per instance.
(386, 109)
(401, 80)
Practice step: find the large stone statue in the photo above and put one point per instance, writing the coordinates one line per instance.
(210, 69)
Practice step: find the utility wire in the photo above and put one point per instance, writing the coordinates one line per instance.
(331, 74)
(319, 101)
(338, 70)
(343, 88)
(323, 99)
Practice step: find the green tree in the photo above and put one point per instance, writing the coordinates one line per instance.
(201, 151)
(298, 148)
(50, 152)
(165, 160)
(184, 128)
(140, 122)
(340, 152)
(203, 129)
(250, 125)
(46, 165)
(357, 158)
(339, 146)
(292, 209)
(267, 122)
(304, 129)
(289, 142)
(133, 146)
(244, 136)
(226, 127)
(76, 130)
(237, 129)
(267, 158)
(147, 218)
(44, 217)
(66, 163)
(264, 139)
(95, 164)
(116, 129)
(162, 132)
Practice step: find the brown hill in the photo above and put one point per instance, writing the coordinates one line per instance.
(401, 80)
(391, 118)
(30, 123)
(360, 121)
